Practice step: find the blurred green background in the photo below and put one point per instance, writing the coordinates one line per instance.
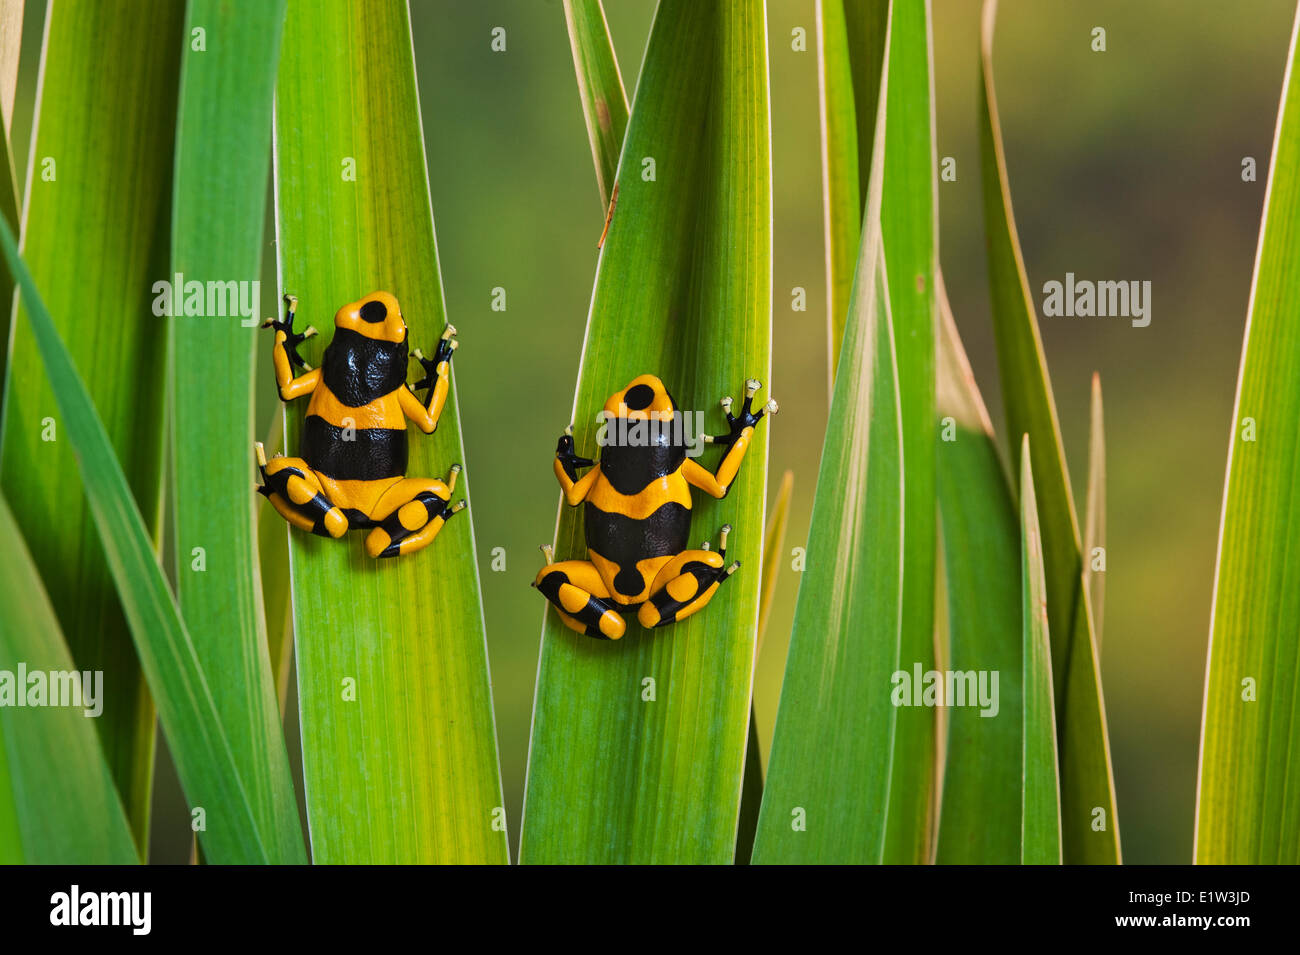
(1124, 165)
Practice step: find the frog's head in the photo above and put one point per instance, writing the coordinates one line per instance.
(376, 316)
(645, 398)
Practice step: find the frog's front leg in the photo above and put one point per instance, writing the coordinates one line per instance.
(687, 583)
(736, 440)
(580, 597)
(285, 357)
(410, 514)
(566, 467)
(437, 379)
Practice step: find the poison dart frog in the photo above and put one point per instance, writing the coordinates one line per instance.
(638, 515)
(352, 469)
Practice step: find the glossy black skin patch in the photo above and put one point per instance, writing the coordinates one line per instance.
(624, 540)
(358, 369)
(630, 468)
(369, 455)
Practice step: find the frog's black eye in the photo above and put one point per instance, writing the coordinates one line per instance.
(373, 312)
(639, 397)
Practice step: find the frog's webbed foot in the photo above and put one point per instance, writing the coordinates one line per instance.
(291, 339)
(748, 418)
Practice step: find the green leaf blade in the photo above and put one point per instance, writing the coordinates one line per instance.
(826, 795)
(909, 232)
(1090, 829)
(842, 197)
(95, 239)
(407, 771)
(58, 805)
(222, 160)
(1247, 812)
(1039, 793)
(207, 769)
(979, 824)
(613, 778)
(600, 88)
(1094, 533)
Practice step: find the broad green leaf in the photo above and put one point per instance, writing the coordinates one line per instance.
(95, 238)
(208, 771)
(1039, 795)
(1247, 810)
(57, 801)
(1087, 787)
(1094, 525)
(683, 290)
(600, 88)
(909, 229)
(223, 153)
(826, 795)
(979, 823)
(403, 766)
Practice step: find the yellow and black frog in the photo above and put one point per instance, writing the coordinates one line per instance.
(352, 469)
(638, 514)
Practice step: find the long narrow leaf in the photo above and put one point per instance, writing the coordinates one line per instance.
(11, 35)
(842, 197)
(683, 290)
(1247, 806)
(773, 541)
(600, 88)
(826, 796)
(751, 796)
(399, 743)
(212, 779)
(57, 801)
(909, 229)
(11, 38)
(852, 36)
(1090, 829)
(223, 152)
(1094, 526)
(95, 240)
(979, 824)
(1039, 793)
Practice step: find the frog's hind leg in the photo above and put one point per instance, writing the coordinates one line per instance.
(686, 584)
(410, 514)
(580, 597)
(294, 491)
